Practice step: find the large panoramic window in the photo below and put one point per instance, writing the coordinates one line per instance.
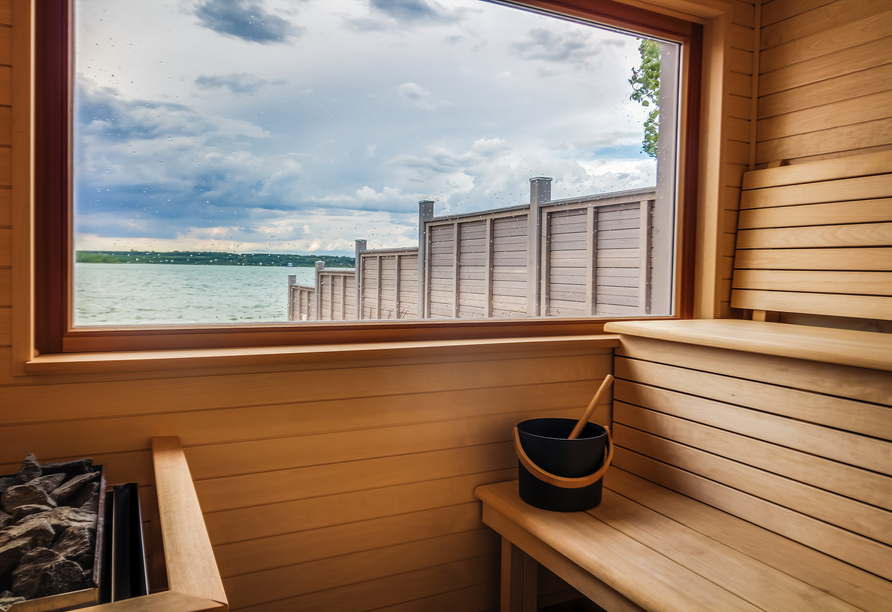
(251, 161)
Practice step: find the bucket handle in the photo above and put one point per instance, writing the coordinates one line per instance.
(561, 481)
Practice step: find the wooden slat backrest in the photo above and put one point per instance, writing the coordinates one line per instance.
(817, 239)
(767, 440)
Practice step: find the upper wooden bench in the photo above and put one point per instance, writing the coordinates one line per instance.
(753, 468)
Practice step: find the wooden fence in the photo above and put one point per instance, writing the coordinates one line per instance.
(583, 256)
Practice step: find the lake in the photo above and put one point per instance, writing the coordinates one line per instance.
(164, 294)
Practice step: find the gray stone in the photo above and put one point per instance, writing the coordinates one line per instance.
(7, 599)
(85, 495)
(27, 510)
(17, 540)
(29, 471)
(48, 483)
(60, 577)
(5, 519)
(81, 466)
(6, 482)
(62, 518)
(72, 486)
(25, 576)
(76, 543)
(22, 495)
(32, 525)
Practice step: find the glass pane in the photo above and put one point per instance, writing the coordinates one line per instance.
(437, 159)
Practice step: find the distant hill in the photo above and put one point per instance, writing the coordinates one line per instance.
(212, 259)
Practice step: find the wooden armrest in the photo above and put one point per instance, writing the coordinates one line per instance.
(192, 574)
(861, 349)
(191, 566)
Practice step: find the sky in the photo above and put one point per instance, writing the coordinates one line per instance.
(303, 125)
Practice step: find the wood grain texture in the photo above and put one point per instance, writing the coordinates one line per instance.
(848, 61)
(167, 601)
(861, 283)
(827, 41)
(842, 347)
(191, 567)
(859, 211)
(734, 571)
(870, 107)
(854, 516)
(852, 137)
(812, 21)
(858, 306)
(835, 577)
(830, 91)
(860, 417)
(610, 556)
(861, 552)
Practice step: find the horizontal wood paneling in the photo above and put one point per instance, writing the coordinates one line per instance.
(824, 79)
(317, 492)
(703, 422)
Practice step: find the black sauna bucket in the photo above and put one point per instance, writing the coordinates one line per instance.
(555, 473)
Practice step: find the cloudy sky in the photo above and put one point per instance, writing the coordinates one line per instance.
(301, 125)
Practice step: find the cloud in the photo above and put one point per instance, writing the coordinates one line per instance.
(246, 19)
(572, 46)
(237, 83)
(420, 97)
(393, 14)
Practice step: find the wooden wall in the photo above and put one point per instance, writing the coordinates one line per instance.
(737, 113)
(825, 82)
(340, 486)
(330, 486)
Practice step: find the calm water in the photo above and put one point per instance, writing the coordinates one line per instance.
(155, 294)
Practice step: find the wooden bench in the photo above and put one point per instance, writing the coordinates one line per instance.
(753, 468)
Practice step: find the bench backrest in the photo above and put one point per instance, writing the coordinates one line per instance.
(803, 449)
(817, 239)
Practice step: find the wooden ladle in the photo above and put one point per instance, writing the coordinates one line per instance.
(608, 380)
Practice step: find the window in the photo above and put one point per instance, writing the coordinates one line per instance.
(112, 123)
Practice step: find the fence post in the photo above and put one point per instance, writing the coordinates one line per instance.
(360, 246)
(425, 213)
(540, 192)
(292, 280)
(318, 293)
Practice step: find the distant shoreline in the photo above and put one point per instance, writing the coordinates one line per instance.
(211, 258)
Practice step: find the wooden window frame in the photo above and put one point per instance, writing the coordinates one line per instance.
(52, 215)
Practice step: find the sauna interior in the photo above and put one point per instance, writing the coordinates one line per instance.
(341, 476)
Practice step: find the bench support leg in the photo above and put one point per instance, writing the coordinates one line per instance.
(518, 586)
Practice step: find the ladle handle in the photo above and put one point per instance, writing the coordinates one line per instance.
(608, 380)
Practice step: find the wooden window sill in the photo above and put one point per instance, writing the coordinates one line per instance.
(141, 361)
(872, 350)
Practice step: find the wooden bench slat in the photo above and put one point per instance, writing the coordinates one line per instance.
(839, 346)
(868, 258)
(865, 188)
(840, 413)
(857, 550)
(862, 283)
(859, 306)
(804, 215)
(824, 170)
(822, 441)
(831, 236)
(616, 559)
(835, 577)
(748, 578)
(830, 379)
(851, 482)
(849, 514)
